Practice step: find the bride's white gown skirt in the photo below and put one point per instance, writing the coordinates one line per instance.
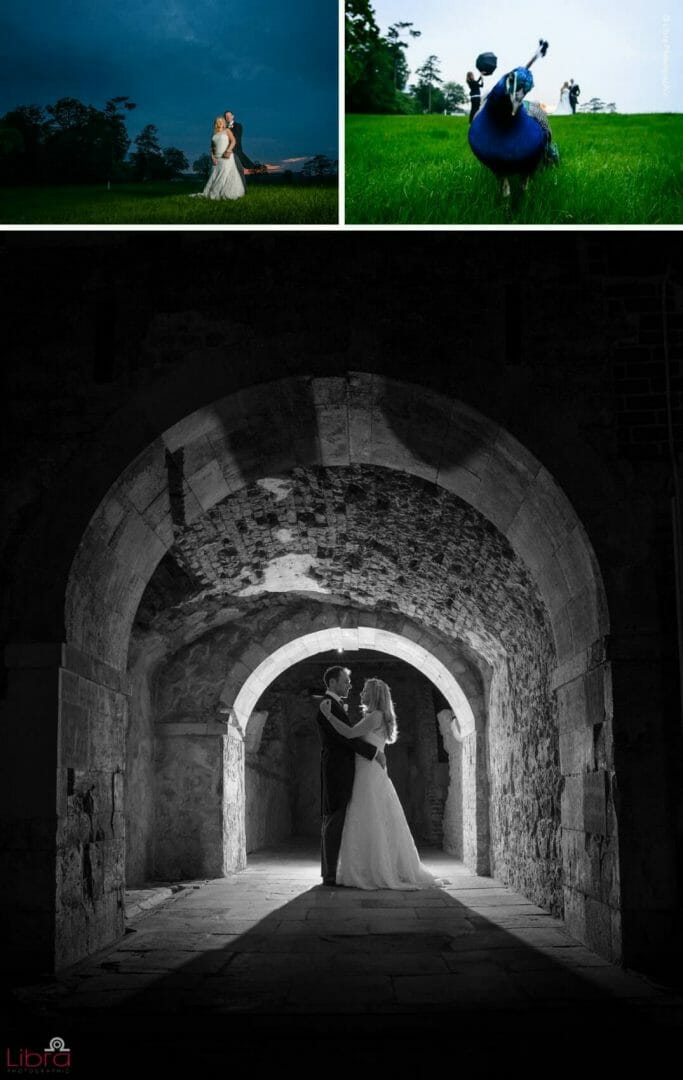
(377, 849)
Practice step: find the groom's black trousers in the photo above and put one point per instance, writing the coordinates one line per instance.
(331, 836)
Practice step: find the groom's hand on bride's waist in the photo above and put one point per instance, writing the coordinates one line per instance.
(380, 757)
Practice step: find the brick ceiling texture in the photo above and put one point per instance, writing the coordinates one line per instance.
(364, 536)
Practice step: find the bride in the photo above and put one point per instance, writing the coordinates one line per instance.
(377, 850)
(563, 108)
(225, 181)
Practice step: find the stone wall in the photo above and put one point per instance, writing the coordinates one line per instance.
(91, 824)
(269, 786)
(525, 780)
(282, 759)
(579, 383)
(197, 779)
(139, 781)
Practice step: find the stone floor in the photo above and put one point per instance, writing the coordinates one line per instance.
(267, 962)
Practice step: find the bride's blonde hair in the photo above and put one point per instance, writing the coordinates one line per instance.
(215, 123)
(379, 698)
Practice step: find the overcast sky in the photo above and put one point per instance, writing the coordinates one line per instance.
(273, 62)
(626, 51)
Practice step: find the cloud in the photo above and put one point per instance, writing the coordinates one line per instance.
(183, 62)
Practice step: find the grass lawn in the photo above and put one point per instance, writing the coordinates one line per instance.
(417, 170)
(168, 203)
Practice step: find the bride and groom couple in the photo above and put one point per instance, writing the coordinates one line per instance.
(229, 160)
(366, 841)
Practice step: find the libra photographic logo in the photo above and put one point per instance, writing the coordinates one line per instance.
(55, 1058)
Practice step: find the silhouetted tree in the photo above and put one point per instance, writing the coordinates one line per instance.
(119, 140)
(202, 166)
(319, 166)
(70, 142)
(77, 145)
(148, 158)
(396, 49)
(595, 105)
(22, 138)
(175, 162)
(371, 66)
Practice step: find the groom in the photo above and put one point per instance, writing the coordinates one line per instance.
(337, 769)
(243, 162)
(574, 91)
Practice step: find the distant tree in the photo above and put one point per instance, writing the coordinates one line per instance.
(77, 145)
(595, 105)
(319, 166)
(371, 66)
(453, 96)
(611, 107)
(428, 76)
(70, 142)
(68, 114)
(118, 137)
(23, 138)
(202, 166)
(396, 49)
(175, 162)
(11, 140)
(148, 158)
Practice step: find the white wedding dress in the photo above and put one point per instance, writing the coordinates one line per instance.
(563, 108)
(377, 849)
(225, 181)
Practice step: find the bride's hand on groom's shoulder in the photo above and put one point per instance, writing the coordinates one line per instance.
(326, 707)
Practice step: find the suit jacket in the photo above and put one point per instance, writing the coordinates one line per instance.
(245, 161)
(337, 760)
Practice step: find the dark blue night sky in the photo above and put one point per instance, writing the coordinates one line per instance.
(273, 62)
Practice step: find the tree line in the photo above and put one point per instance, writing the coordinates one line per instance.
(73, 143)
(377, 70)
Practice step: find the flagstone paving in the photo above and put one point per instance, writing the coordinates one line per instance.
(271, 942)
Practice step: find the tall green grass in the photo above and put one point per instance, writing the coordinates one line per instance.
(420, 170)
(168, 204)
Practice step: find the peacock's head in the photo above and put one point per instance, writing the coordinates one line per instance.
(517, 85)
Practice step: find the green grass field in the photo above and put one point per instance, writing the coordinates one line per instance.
(419, 170)
(167, 204)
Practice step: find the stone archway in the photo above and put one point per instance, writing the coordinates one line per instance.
(213, 812)
(365, 635)
(259, 435)
(265, 431)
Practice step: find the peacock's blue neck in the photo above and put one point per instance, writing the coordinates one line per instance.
(498, 100)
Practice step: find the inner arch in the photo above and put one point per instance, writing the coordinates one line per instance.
(352, 639)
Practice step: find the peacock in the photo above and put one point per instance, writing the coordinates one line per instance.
(509, 135)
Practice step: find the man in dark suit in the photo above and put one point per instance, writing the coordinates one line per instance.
(337, 770)
(574, 91)
(243, 162)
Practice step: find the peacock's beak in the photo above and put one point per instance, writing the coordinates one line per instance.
(515, 102)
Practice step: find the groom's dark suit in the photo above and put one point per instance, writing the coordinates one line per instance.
(243, 161)
(337, 770)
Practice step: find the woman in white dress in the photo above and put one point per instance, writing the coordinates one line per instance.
(563, 108)
(377, 849)
(225, 181)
